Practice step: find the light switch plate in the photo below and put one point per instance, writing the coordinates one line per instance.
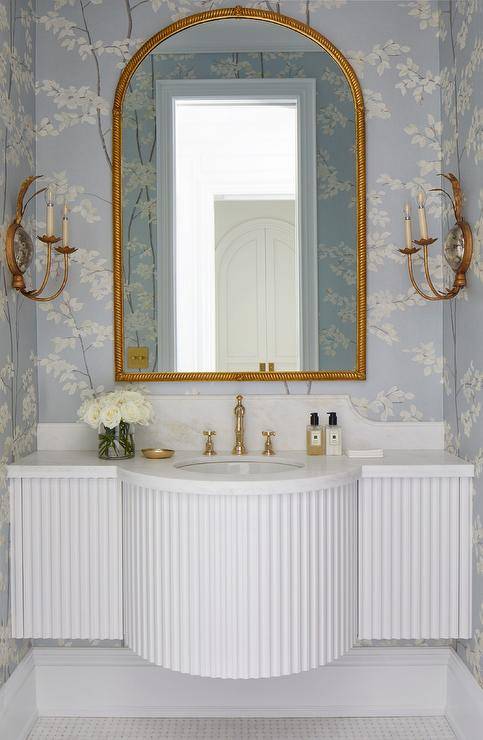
(137, 357)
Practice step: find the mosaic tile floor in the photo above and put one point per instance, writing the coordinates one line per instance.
(373, 728)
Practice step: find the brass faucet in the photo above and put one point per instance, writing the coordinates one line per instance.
(239, 411)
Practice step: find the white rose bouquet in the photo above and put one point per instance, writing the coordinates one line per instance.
(112, 414)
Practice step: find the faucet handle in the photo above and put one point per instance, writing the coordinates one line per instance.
(209, 444)
(268, 449)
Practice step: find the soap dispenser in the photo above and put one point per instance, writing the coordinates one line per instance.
(333, 436)
(315, 436)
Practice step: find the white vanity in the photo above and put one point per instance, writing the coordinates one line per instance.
(241, 573)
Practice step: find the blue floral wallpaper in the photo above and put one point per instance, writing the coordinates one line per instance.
(461, 54)
(18, 392)
(82, 46)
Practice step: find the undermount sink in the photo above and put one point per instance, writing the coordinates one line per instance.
(233, 467)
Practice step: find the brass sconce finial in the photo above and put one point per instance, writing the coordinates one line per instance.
(19, 247)
(457, 248)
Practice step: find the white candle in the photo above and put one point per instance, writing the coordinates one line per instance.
(407, 226)
(65, 226)
(50, 213)
(423, 226)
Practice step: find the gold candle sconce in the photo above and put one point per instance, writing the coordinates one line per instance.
(457, 248)
(19, 249)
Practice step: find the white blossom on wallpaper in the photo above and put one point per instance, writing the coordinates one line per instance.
(18, 393)
(461, 47)
(83, 46)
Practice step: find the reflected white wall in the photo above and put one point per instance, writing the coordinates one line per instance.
(240, 150)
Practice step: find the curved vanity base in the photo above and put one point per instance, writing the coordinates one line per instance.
(241, 574)
(240, 586)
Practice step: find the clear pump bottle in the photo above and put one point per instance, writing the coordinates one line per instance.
(333, 436)
(315, 436)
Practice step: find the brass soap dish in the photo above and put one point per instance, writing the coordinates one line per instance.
(156, 454)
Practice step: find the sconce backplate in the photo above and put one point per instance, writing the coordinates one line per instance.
(458, 249)
(458, 245)
(19, 251)
(454, 247)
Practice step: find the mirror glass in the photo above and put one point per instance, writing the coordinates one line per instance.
(239, 205)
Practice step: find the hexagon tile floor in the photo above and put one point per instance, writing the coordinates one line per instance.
(327, 728)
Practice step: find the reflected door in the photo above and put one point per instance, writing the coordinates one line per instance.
(256, 289)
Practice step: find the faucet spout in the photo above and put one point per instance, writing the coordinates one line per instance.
(239, 411)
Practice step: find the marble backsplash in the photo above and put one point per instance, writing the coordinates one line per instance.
(180, 420)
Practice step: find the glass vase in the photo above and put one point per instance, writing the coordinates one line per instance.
(116, 443)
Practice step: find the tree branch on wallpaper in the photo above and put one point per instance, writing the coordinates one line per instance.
(461, 54)
(83, 6)
(140, 177)
(16, 68)
(84, 337)
(18, 401)
(455, 97)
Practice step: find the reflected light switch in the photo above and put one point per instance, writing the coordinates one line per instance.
(137, 357)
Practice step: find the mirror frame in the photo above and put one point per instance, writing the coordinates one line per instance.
(359, 373)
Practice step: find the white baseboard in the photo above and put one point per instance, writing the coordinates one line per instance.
(97, 682)
(464, 705)
(113, 682)
(18, 703)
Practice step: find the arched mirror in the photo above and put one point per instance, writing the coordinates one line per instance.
(239, 204)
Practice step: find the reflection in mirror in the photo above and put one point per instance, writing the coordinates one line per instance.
(239, 243)
(236, 251)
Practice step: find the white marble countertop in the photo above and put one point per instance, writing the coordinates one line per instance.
(316, 473)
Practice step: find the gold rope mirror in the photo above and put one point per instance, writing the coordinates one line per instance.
(239, 204)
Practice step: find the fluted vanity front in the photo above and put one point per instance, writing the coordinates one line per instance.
(240, 567)
(240, 585)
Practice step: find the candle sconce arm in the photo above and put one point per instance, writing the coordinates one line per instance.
(48, 267)
(440, 295)
(43, 299)
(437, 296)
(414, 282)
